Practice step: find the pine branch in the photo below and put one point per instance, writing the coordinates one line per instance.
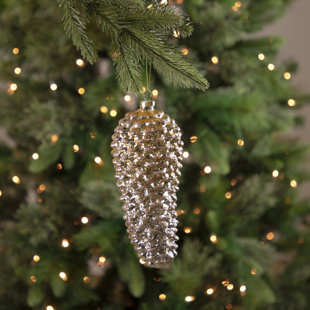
(164, 19)
(128, 69)
(76, 30)
(106, 20)
(137, 34)
(168, 61)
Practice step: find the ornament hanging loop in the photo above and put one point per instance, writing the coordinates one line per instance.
(148, 103)
(147, 95)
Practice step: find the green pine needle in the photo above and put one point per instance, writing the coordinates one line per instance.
(76, 29)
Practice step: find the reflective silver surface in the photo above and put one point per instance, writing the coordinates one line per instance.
(147, 156)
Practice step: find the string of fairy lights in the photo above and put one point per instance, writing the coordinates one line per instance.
(65, 242)
(207, 170)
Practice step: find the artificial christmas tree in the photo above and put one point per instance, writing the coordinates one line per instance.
(244, 239)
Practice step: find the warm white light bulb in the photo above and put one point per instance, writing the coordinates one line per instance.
(207, 169)
(127, 98)
(213, 238)
(53, 86)
(84, 220)
(291, 102)
(104, 109)
(98, 160)
(81, 91)
(155, 93)
(79, 62)
(275, 173)
(189, 298)
(36, 258)
(15, 50)
(240, 142)
(16, 179)
(293, 184)
(215, 60)
(65, 243)
(63, 276)
(242, 288)
(261, 56)
(75, 148)
(113, 112)
(185, 154)
(35, 156)
(13, 86)
(210, 291)
(17, 70)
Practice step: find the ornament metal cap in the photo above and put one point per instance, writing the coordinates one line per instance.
(147, 105)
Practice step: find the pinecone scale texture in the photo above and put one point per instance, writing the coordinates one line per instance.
(147, 156)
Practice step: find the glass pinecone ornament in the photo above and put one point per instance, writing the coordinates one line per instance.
(147, 156)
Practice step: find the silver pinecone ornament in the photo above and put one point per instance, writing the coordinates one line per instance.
(147, 156)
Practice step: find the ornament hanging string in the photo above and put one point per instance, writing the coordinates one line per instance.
(147, 95)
